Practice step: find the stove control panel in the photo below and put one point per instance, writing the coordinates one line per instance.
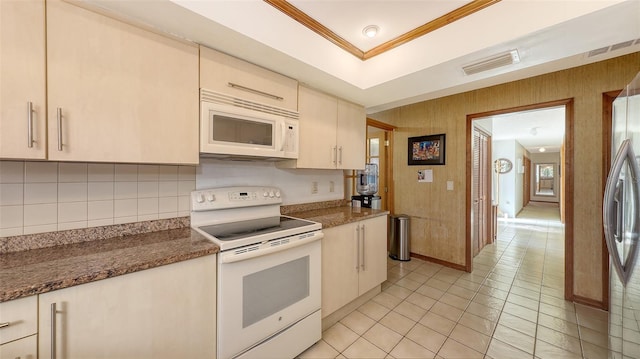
(234, 197)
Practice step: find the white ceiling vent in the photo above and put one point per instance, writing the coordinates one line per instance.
(621, 45)
(618, 46)
(493, 62)
(599, 51)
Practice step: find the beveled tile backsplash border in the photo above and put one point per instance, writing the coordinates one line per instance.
(50, 239)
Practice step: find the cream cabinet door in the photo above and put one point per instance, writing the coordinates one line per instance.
(318, 116)
(18, 318)
(339, 272)
(163, 312)
(118, 93)
(22, 79)
(25, 348)
(351, 136)
(229, 75)
(373, 266)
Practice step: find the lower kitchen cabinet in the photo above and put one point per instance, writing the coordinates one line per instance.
(164, 312)
(25, 348)
(18, 319)
(354, 261)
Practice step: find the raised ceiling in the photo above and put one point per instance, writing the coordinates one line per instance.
(549, 35)
(418, 19)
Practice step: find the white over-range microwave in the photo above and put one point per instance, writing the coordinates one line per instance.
(231, 127)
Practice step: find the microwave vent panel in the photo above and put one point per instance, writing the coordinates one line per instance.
(216, 97)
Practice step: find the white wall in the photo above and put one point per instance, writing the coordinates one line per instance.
(295, 184)
(519, 178)
(510, 184)
(554, 158)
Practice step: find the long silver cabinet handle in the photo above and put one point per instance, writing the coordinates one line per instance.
(30, 124)
(364, 250)
(59, 117)
(53, 330)
(4, 325)
(358, 249)
(340, 158)
(335, 154)
(257, 92)
(610, 213)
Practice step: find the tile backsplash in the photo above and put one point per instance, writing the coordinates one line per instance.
(38, 197)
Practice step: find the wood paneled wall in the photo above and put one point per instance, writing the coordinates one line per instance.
(438, 216)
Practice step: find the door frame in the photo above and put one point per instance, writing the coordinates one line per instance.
(568, 180)
(607, 119)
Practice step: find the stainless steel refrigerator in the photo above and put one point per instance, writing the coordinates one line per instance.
(621, 218)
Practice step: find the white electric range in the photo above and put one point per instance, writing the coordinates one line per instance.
(268, 272)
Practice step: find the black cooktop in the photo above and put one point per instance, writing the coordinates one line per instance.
(243, 229)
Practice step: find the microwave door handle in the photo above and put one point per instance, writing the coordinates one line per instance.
(283, 132)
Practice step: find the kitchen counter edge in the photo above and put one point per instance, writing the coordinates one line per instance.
(38, 271)
(337, 216)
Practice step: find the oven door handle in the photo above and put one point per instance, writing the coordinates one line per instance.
(265, 248)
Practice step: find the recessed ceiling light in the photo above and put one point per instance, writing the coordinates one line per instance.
(542, 149)
(370, 31)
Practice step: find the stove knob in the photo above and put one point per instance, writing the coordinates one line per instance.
(271, 194)
(200, 198)
(278, 194)
(211, 197)
(266, 194)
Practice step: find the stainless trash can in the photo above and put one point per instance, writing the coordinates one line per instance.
(399, 244)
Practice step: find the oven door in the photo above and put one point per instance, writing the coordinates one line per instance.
(260, 296)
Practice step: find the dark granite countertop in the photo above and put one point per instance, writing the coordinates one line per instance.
(336, 216)
(36, 271)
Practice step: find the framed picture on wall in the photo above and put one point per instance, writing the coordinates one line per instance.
(426, 150)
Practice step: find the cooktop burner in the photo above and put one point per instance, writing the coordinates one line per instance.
(243, 229)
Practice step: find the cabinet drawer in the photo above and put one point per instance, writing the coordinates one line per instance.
(228, 75)
(25, 348)
(19, 318)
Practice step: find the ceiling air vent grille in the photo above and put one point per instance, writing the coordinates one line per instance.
(621, 45)
(599, 51)
(493, 62)
(618, 46)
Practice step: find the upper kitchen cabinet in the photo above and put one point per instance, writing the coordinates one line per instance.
(239, 79)
(118, 93)
(332, 132)
(351, 136)
(22, 85)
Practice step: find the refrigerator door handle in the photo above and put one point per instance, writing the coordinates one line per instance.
(612, 210)
(618, 199)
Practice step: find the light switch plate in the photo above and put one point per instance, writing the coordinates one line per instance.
(449, 185)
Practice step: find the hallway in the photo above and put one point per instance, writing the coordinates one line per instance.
(510, 306)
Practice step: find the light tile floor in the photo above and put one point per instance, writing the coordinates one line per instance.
(510, 306)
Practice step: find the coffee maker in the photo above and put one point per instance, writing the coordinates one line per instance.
(367, 187)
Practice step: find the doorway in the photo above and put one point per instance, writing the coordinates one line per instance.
(520, 170)
(379, 149)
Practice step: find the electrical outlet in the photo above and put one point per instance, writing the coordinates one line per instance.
(314, 187)
(332, 186)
